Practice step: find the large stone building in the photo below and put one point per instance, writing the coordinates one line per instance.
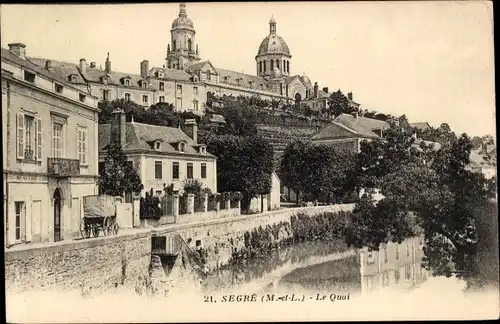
(185, 79)
(49, 150)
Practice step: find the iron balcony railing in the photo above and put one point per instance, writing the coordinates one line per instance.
(63, 167)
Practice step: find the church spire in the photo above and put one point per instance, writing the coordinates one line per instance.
(272, 25)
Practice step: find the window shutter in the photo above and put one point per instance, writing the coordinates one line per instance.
(27, 216)
(84, 146)
(23, 223)
(20, 136)
(39, 139)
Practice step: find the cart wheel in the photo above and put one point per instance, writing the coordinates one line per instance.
(115, 228)
(95, 230)
(87, 231)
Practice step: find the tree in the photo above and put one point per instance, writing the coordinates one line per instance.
(292, 164)
(118, 175)
(442, 135)
(129, 107)
(338, 104)
(433, 195)
(163, 114)
(244, 164)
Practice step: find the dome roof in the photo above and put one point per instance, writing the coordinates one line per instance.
(276, 73)
(306, 81)
(273, 44)
(182, 22)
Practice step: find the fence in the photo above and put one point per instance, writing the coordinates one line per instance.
(188, 208)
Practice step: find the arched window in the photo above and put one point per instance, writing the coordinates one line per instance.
(260, 66)
(277, 63)
(189, 45)
(284, 66)
(174, 45)
(288, 66)
(265, 66)
(272, 65)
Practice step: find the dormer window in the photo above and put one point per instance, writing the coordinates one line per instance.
(238, 81)
(127, 83)
(72, 78)
(225, 79)
(209, 76)
(144, 83)
(157, 145)
(30, 77)
(182, 147)
(202, 149)
(160, 74)
(262, 86)
(161, 86)
(250, 84)
(195, 78)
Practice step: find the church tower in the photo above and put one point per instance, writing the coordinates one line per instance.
(182, 50)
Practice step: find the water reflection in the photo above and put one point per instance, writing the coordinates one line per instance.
(320, 266)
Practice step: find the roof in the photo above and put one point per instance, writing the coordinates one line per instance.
(365, 122)
(273, 44)
(63, 70)
(346, 129)
(215, 118)
(244, 78)
(435, 145)
(40, 69)
(420, 125)
(139, 135)
(174, 74)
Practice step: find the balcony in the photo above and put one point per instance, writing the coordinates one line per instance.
(63, 167)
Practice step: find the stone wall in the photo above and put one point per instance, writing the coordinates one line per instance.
(101, 263)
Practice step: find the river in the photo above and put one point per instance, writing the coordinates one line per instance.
(325, 267)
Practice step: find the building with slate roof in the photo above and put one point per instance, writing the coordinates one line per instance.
(161, 155)
(185, 80)
(49, 124)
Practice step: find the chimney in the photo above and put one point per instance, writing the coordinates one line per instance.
(349, 96)
(108, 65)
(92, 65)
(144, 69)
(325, 89)
(191, 129)
(83, 65)
(19, 49)
(118, 127)
(48, 64)
(315, 89)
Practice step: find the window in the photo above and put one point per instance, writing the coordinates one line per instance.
(157, 145)
(225, 79)
(59, 88)
(57, 140)
(195, 104)
(370, 257)
(209, 76)
(72, 78)
(179, 103)
(397, 276)
(260, 67)
(181, 147)
(20, 214)
(198, 242)
(195, 91)
(162, 98)
(161, 86)
(175, 170)
(105, 95)
(82, 145)
(127, 96)
(144, 84)
(179, 89)
(189, 170)
(203, 170)
(272, 65)
(127, 83)
(158, 167)
(30, 77)
(82, 97)
(264, 66)
(145, 100)
(29, 145)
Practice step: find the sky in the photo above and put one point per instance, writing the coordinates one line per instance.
(432, 61)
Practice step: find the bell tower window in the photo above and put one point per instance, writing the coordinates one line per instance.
(272, 65)
(190, 44)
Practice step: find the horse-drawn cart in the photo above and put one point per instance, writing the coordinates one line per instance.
(99, 215)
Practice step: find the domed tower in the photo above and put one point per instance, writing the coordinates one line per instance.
(273, 54)
(182, 50)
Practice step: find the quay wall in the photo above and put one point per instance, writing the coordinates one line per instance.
(99, 264)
